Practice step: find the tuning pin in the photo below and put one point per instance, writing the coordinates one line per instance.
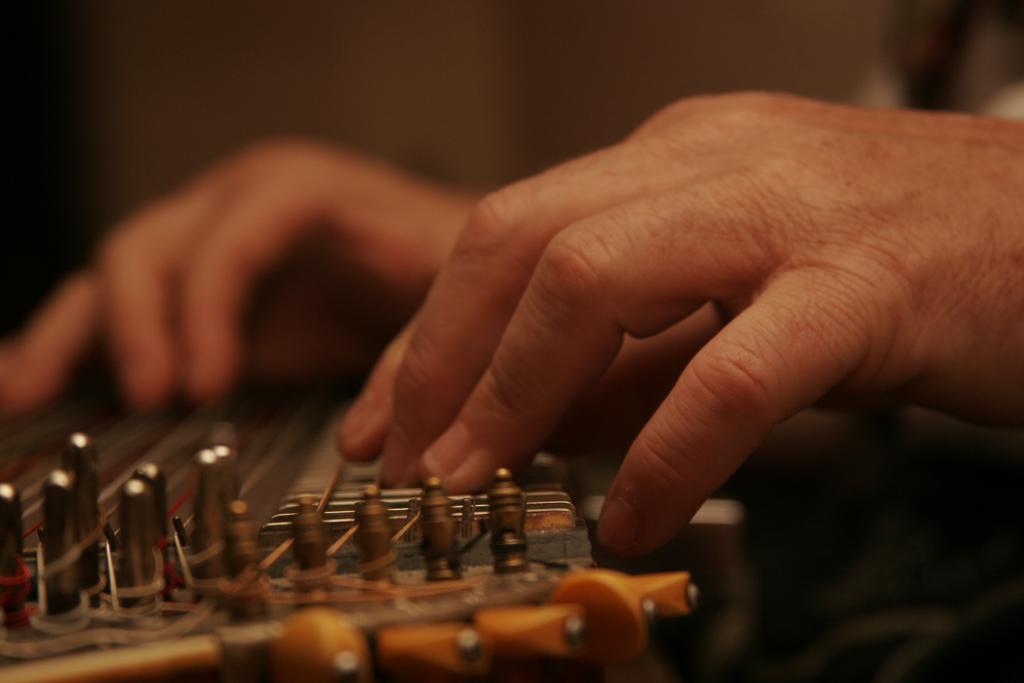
(209, 509)
(532, 631)
(505, 523)
(309, 547)
(438, 527)
(59, 538)
(224, 434)
(11, 567)
(412, 651)
(154, 478)
(243, 559)
(373, 536)
(138, 541)
(310, 539)
(229, 457)
(617, 608)
(10, 529)
(318, 645)
(79, 458)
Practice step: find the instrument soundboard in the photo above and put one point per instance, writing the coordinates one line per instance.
(233, 543)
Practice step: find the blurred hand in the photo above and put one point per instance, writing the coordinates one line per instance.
(286, 261)
(849, 255)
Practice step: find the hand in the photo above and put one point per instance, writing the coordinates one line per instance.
(852, 256)
(335, 250)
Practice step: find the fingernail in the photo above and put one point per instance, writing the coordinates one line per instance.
(619, 525)
(448, 452)
(475, 472)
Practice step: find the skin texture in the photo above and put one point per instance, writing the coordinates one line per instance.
(735, 260)
(286, 245)
(767, 253)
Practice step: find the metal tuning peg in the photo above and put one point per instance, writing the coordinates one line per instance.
(138, 581)
(505, 522)
(154, 478)
(310, 575)
(228, 455)
(243, 559)
(210, 513)
(59, 536)
(373, 536)
(79, 458)
(438, 526)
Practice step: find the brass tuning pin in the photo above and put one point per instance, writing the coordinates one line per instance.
(154, 478)
(228, 455)
(373, 536)
(438, 527)
(310, 549)
(243, 559)
(79, 458)
(506, 518)
(310, 539)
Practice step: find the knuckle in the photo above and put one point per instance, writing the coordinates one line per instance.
(735, 381)
(734, 109)
(753, 100)
(273, 148)
(678, 111)
(135, 236)
(491, 225)
(752, 109)
(121, 245)
(271, 154)
(573, 265)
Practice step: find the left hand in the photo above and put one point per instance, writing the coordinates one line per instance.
(852, 255)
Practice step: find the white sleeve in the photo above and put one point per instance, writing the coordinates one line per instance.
(1008, 103)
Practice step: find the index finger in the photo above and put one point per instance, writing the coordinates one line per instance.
(636, 269)
(475, 294)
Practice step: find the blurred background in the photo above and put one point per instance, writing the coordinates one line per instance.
(118, 102)
(882, 548)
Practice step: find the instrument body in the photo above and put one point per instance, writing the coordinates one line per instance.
(284, 562)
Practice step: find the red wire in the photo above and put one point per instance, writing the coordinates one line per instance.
(178, 503)
(33, 528)
(15, 590)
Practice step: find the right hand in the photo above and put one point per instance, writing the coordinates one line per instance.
(337, 249)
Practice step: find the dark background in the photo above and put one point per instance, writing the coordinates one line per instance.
(116, 102)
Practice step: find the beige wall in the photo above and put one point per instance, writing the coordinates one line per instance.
(472, 91)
